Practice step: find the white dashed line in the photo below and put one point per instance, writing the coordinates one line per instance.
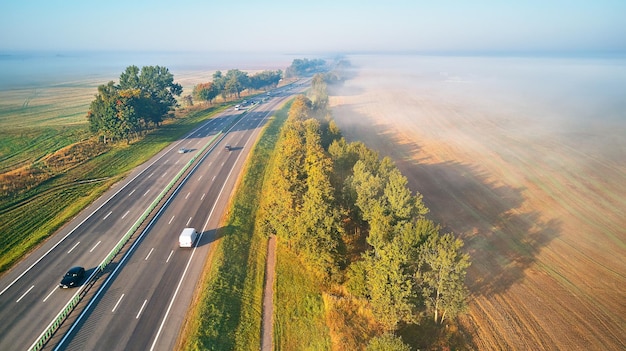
(117, 303)
(24, 294)
(50, 294)
(73, 247)
(94, 247)
(141, 309)
(149, 253)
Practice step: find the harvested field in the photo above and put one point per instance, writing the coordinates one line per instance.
(531, 176)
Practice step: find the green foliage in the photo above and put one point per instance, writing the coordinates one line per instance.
(141, 100)
(299, 206)
(387, 342)
(304, 67)
(441, 275)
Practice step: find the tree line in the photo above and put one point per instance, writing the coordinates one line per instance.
(140, 101)
(353, 221)
(231, 84)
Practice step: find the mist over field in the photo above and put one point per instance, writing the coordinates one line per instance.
(580, 98)
(524, 159)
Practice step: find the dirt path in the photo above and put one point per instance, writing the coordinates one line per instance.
(539, 207)
(268, 297)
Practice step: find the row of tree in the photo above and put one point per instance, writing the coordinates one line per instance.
(305, 67)
(231, 84)
(140, 101)
(327, 197)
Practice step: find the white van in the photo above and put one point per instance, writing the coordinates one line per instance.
(187, 237)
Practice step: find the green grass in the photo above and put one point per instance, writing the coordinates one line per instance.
(299, 322)
(228, 316)
(28, 219)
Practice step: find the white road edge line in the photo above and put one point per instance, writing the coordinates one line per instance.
(117, 303)
(24, 294)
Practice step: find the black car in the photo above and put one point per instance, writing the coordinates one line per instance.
(73, 277)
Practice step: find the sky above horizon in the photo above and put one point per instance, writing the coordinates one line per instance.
(342, 26)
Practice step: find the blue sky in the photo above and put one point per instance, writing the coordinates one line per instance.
(315, 26)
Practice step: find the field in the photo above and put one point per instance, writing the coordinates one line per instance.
(539, 202)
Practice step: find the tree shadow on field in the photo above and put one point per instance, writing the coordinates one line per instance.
(502, 238)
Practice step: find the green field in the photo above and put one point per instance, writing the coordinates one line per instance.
(26, 218)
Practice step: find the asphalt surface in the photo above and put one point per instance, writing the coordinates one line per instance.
(142, 303)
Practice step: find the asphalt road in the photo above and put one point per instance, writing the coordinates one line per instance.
(144, 303)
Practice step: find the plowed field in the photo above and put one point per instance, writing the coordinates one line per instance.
(536, 188)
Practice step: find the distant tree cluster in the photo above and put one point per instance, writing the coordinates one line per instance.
(231, 84)
(141, 100)
(305, 67)
(352, 220)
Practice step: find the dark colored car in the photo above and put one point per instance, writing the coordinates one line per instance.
(73, 277)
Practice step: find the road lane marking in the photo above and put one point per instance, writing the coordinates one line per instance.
(202, 198)
(170, 222)
(168, 257)
(96, 245)
(151, 174)
(146, 193)
(107, 216)
(149, 253)
(189, 221)
(212, 180)
(50, 294)
(141, 309)
(24, 294)
(164, 174)
(117, 303)
(186, 197)
(199, 177)
(125, 214)
(73, 247)
(132, 192)
(176, 162)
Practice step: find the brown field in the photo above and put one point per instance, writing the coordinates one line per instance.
(539, 199)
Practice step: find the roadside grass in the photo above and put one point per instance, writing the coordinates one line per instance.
(229, 309)
(299, 320)
(29, 218)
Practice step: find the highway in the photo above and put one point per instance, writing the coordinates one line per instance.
(142, 303)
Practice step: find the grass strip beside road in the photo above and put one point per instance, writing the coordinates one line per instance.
(227, 309)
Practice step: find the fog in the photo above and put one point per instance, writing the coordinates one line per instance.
(580, 100)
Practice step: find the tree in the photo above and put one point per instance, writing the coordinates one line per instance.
(390, 287)
(205, 92)
(441, 274)
(387, 342)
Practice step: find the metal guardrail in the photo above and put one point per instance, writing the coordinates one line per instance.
(69, 307)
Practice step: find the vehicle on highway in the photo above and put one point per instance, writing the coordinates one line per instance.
(228, 147)
(187, 237)
(182, 150)
(72, 278)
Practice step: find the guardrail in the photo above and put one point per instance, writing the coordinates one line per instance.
(75, 300)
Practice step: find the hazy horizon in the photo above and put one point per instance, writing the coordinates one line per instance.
(325, 26)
